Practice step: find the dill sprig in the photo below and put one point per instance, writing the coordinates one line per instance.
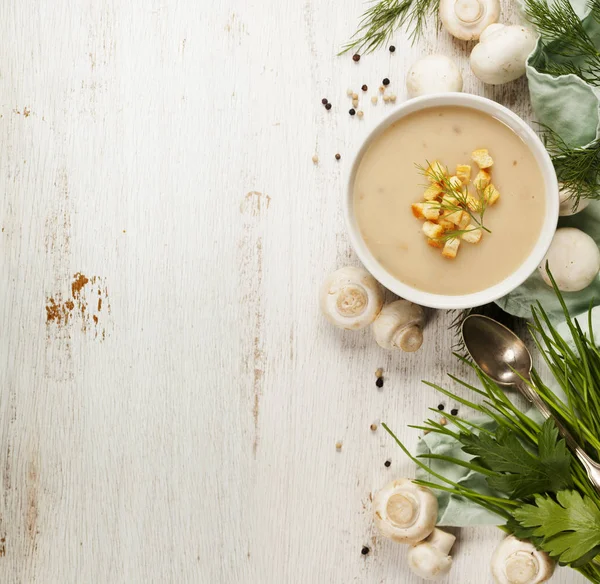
(384, 17)
(594, 6)
(564, 36)
(454, 198)
(578, 169)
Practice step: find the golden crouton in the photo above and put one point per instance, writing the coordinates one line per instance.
(456, 217)
(455, 183)
(417, 210)
(448, 201)
(482, 158)
(491, 194)
(432, 230)
(463, 172)
(445, 224)
(431, 210)
(435, 243)
(472, 234)
(434, 190)
(482, 180)
(464, 221)
(473, 203)
(451, 248)
(435, 171)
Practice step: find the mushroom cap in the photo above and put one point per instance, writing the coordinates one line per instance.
(351, 298)
(467, 19)
(429, 559)
(568, 205)
(518, 562)
(433, 74)
(573, 259)
(399, 326)
(405, 512)
(502, 53)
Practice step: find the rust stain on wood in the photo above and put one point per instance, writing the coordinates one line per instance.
(254, 203)
(32, 513)
(60, 313)
(258, 354)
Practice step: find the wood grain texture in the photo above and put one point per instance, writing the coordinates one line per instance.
(162, 149)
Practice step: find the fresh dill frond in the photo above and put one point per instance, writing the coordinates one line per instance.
(578, 169)
(384, 17)
(564, 36)
(454, 198)
(594, 6)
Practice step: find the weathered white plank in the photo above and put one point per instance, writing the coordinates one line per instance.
(188, 435)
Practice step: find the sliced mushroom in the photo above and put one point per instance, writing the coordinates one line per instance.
(430, 558)
(433, 74)
(351, 298)
(400, 326)
(502, 52)
(518, 562)
(573, 260)
(467, 19)
(405, 512)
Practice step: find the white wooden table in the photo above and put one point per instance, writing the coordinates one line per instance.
(174, 418)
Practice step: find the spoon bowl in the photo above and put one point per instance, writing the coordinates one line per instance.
(496, 349)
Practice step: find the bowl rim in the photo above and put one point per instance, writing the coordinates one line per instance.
(533, 260)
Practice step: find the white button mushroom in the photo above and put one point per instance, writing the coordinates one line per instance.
(400, 326)
(573, 259)
(467, 19)
(568, 204)
(433, 74)
(501, 53)
(429, 558)
(518, 562)
(351, 298)
(405, 512)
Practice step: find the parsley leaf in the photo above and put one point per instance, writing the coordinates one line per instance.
(569, 527)
(519, 472)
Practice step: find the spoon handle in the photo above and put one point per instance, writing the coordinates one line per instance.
(592, 468)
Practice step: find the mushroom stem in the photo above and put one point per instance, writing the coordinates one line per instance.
(408, 339)
(517, 561)
(468, 11)
(430, 558)
(441, 540)
(399, 325)
(351, 298)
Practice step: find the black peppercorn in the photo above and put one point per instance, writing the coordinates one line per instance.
(352, 111)
(364, 88)
(337, 156)
(386, 81)
(379, 382)
(324, 101)
(356, 58)
(454, 412)
(392, 48)
(365, 550)
(388, 463)
(441, 407)
(327, 106)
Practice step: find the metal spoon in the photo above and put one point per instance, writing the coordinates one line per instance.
(505, 358)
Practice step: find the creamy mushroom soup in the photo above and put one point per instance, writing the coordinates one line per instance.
(388, 186)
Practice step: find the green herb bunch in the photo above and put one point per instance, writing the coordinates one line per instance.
(384, 17)
(540, 490)
(569, 47)
(578, 169)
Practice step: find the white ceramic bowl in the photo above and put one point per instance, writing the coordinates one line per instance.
(537, 253)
